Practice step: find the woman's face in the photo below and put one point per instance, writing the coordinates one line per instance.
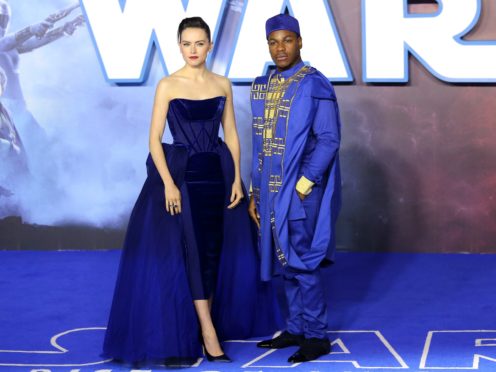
(194, 46)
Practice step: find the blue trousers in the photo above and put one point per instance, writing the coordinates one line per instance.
(304, 290)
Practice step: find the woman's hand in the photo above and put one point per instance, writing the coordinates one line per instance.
(236, 195)
(172, 199)
(252, 211)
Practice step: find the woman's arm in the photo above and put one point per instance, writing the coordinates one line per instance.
(157, 127)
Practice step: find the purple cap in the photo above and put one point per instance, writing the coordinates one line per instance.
(282, 22)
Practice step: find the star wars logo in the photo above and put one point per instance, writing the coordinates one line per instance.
(352, 350)
(125, 31)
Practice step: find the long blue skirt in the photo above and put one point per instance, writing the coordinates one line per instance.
(152, 316)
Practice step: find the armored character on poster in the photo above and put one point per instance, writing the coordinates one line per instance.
(27, 39)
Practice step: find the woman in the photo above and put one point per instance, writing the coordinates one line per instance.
(189, 245)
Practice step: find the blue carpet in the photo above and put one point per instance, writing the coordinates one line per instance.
(417, 312)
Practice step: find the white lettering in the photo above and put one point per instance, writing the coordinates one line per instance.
(471, 347)
(390, 33)
(123, 38)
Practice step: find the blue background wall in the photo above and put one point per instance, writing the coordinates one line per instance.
(418, 159)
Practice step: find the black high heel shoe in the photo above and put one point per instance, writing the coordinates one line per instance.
(223, 358)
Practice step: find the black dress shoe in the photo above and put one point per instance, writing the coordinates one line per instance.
(285, 339)
(311, 349)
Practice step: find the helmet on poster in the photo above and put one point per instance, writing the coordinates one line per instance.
(4, 17)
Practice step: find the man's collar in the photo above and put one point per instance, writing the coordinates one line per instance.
(290, 72)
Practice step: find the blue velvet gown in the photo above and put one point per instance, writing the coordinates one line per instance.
(206, 251)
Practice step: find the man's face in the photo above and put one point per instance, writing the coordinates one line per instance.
(284, 48)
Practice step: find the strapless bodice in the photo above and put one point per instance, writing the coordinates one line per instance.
(195, 123)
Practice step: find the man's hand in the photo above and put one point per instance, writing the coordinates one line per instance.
(252, 211)
(300, 195)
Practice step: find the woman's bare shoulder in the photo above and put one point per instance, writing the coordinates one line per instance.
(169, 85)
(221, 79)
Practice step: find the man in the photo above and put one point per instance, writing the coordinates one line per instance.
(295, 185)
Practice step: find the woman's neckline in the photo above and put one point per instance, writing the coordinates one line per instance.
(192, 99)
